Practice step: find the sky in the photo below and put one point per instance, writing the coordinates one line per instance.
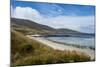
(76, 17)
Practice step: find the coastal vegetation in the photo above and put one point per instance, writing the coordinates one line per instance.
(25, 51)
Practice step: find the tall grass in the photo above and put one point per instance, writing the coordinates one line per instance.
(25, 51)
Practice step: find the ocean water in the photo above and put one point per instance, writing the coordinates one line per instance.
(81, 41)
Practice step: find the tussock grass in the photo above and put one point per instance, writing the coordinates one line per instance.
(25, 51)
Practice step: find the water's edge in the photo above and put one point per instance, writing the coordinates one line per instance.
(75, 45)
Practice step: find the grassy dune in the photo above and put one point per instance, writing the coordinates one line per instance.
(25, 51)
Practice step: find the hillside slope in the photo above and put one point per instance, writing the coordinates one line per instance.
(25, 51)
(31, 26)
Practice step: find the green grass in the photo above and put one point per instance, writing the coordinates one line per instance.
(25, 51)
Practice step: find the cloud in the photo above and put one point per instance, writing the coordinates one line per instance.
(12, 10)
(79, 23)
(25, 13)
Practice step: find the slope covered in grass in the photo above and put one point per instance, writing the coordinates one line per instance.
(31, 27)
(25, 51)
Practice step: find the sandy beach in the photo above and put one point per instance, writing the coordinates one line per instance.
(59, 46)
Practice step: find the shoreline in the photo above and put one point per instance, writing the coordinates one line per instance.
(77, 46)
(61, 46)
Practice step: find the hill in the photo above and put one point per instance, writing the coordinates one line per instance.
(25, 51)
(30, 24)
(23, 25)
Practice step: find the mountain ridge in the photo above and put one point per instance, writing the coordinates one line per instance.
(42, 29)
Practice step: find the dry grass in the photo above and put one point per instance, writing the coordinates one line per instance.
(25, 51)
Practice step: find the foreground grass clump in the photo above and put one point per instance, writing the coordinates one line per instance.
(25, 51)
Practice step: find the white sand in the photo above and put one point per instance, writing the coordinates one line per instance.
(59, 46)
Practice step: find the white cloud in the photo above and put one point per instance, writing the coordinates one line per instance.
(72, 22)
(26, 13)
(12, 10)
(79, 23)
